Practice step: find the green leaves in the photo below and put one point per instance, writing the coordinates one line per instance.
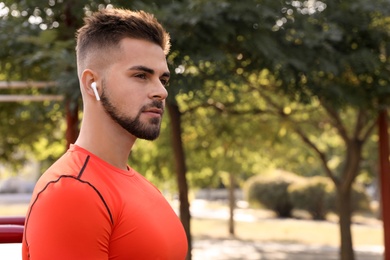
(235, 65)
(343, 42)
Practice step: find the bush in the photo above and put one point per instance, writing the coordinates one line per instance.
(271, 192)
(313, 196)
(282, 192)
(360, 200)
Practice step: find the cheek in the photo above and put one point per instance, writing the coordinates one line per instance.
(129, 104)
(125, 96)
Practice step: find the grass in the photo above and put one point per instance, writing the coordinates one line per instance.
(366, 230)
(288, 231)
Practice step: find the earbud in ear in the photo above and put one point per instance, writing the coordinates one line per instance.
(94, 88)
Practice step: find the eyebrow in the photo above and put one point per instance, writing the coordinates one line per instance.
(149, 70)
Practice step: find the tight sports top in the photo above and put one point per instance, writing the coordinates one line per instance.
(84, 208)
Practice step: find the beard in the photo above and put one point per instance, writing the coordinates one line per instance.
(148, 131)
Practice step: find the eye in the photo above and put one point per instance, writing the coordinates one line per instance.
(164, 81)
(141, 76)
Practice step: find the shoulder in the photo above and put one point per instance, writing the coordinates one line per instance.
(68, 192)
(67, 213)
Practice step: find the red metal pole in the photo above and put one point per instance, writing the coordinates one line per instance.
(12, 220)
(384, 168)
(11, 233)
(11, 229)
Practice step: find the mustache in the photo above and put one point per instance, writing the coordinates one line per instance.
(155, 104)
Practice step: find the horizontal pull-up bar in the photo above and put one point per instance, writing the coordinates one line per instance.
(26, 84)
(21, 98)
(11, 229)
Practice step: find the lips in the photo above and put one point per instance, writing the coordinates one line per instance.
(154, 110)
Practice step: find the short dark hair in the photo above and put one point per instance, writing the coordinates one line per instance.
(106, 28)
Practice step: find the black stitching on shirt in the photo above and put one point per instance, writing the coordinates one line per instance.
(83, 168)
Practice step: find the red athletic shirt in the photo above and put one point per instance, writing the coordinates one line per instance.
(84, 208)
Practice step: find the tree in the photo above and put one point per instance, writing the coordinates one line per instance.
(338, 55)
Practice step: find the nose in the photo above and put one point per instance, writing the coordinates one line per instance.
(159, 91)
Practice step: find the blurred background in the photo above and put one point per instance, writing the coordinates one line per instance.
(275, 140)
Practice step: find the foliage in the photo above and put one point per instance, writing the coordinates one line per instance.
(336, 51)
(211, 70)
(360, 200)
(283, 192)
(154, 159)
(23, 125)
(37, 47)
(271, 191)
(312, 195)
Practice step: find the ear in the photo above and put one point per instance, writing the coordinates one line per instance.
(87, 77)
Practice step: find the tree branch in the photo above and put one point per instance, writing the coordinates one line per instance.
(336, 122)
(320, 154)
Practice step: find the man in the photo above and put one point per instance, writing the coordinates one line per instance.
(90, 204)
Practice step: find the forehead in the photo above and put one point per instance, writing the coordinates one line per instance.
(135, 52)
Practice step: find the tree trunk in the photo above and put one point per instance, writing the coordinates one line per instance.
(71, 106)
(181, 171)
(72, 123)
(344, 193)
(232, 203)
(344, 207)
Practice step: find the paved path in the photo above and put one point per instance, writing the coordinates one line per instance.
(10, 251)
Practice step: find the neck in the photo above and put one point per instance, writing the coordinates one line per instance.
(106, 139)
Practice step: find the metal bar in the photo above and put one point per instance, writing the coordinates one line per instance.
(11, 233)
(12, 220)
(26, 84)
(36, 98)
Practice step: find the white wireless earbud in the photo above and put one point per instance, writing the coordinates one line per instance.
(94, 88)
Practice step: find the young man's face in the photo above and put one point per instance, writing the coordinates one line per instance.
(134, 88)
